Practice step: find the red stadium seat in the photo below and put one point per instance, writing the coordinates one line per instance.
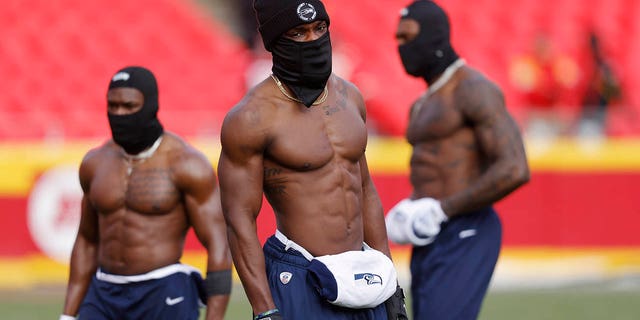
(57, 56)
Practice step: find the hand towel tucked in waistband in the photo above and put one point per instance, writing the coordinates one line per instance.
(352, 279)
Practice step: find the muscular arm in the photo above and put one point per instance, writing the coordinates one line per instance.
(241, 180)
(375, 232)
(500, 142)
(84, 256)
(197, 180)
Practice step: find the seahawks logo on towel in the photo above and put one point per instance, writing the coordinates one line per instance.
(370, 278)
(306, 12)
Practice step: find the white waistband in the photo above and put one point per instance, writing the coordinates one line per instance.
(290, 244)
(151, 275)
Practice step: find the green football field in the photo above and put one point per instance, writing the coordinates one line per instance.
(595, 302)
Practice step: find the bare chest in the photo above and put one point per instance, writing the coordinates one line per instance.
(433, 118)
(145, 188)
(310, 139)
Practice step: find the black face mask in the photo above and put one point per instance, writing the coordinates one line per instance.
(430, 53)
(137, 131)
(304, 66)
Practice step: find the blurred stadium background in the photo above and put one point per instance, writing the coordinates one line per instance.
(571, 244)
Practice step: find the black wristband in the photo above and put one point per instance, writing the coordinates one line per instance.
(218, 282)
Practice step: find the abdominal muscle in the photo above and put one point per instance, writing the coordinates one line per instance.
(321, 210)
(440, 168)
(133, 243)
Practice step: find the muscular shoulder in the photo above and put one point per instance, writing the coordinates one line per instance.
(474, 84)
(343, 84)
(477, 96)
(247, 124)
(349, 91)
(189, 167)
(93, 159)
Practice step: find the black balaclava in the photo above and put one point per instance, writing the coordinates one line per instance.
(304, 66)
(137, 131)
(430, 53)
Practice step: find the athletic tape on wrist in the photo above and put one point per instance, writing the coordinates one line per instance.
(66, 317)
(266, 314)
(218, 282)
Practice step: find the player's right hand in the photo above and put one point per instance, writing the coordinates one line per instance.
(415, 221)
(396, 221)
(426, 221)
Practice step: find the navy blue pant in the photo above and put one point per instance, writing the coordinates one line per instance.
(295, 296)
(450, 277)
(175, 297)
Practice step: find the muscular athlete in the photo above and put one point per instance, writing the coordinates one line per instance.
(310, 164)
(467, 150)
(138, 203)
(467, 153)
(308, 159)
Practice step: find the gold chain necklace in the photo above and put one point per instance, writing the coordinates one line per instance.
(320, 100)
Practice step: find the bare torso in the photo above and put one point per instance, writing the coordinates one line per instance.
(311, 162)
(467, 149)
(141, 216)
(446, 155)
(312, 174)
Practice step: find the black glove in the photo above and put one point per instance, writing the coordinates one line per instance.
(396, 309)
(269, 315)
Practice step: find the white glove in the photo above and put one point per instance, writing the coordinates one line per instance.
(424, 224)
(67, 317)
(396, 221)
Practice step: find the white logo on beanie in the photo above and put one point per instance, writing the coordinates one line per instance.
(306, 12)
(121, 76)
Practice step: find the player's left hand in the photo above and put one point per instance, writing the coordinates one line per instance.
(269, 315)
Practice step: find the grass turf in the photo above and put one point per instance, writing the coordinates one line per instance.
(583, 303)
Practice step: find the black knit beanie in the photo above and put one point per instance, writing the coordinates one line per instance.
(276, 17)
(136, 77)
